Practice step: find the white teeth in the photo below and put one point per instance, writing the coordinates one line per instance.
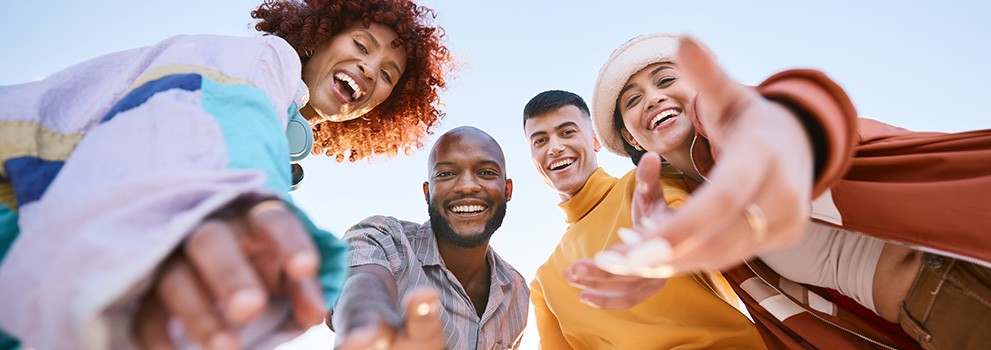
(561, 163)
(659, 117)
(353, 84)
(468, 208)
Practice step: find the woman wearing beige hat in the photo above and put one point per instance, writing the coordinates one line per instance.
(796, 137)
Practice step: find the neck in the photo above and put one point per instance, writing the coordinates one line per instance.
(681, 159)
(472, 270)
(310, 114)
(467, 264)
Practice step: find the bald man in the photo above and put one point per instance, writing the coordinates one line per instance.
(459, 294)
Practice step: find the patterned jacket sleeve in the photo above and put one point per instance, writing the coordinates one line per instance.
(166, 135)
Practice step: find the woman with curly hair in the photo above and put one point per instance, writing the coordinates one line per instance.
(152, 184)
(337, 36)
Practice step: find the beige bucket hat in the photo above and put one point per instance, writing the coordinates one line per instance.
(631, 57)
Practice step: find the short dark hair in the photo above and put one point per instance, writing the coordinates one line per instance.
(551, 100)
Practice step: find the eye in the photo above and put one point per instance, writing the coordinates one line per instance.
(360, 46)
(488, 172)
(666, 81)
(444, 174)
(632, 100)
(539, 141)
(569, 132)
(387, 76)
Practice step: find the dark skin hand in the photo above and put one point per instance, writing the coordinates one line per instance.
(225, 272)
(370, 318)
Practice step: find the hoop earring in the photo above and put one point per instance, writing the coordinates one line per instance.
(638, 147)
(308, 53)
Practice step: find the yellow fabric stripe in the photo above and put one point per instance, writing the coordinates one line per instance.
(162, 71)
(7, 198)
(20, 138)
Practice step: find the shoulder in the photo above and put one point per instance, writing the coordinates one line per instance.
(382, 226)
(503, 267)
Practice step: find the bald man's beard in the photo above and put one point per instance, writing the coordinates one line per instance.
(442, 227)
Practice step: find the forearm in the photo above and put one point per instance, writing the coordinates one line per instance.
(365, 299)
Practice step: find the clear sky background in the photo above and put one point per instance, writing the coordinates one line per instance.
(920, 65)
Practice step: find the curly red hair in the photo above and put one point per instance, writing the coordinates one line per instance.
(403, 121)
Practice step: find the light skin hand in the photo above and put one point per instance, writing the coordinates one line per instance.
(605, 290)
(764, 157)
(225, 272)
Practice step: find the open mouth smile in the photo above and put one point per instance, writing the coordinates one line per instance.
(348, 86)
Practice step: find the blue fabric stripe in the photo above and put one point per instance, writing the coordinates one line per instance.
(8, 231)
(30, 177)
(255, 137)
(188, 82)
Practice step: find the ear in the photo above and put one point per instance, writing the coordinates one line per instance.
(426, 191)
(509, 189)
(596, 145)
(628, 137)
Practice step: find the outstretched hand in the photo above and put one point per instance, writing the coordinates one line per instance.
(225, 273)
(756, 197)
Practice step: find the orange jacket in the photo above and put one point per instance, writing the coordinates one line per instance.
(925, 189)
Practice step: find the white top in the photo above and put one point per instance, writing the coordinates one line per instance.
(833, 258)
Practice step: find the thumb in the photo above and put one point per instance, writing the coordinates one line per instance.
(718, 96)
(423, 323)
(649, 194)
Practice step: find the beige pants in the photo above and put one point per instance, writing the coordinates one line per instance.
(949, 305)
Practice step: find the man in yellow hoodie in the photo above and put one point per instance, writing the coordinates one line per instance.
(692, 311)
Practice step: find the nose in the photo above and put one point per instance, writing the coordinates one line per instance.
(367, 70)
(654, 98)
(554, 146)
(468, 184)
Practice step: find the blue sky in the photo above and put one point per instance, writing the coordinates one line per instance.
(920, 65)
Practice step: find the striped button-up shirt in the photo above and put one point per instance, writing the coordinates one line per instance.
(409, 251)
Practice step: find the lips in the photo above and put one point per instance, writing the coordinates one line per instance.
(468, 208)
(561, 164)
(350, 87)
(663, 118)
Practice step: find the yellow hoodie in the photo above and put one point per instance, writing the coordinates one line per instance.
(683, 315)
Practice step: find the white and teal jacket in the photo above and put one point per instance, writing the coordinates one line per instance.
(108, 165)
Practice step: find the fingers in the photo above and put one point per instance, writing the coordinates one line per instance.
(627, 297)
(720, 96)
(294, 254)
(366, 338)
(214, 252)
(649, 195)
(586, 275)
(423, 325)
(185, 297)
(714, 205)
(277, 225)
(306, 297)
(151, 325)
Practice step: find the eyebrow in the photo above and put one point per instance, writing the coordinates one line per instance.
(376, 43)
(559, 127)
(652, 73)
(451, 164)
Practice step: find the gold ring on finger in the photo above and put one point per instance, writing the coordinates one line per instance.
(757, 221)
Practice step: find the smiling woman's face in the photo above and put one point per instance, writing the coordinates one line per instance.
(656, 106)
(352, 73)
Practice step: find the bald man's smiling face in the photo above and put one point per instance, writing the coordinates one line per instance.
(467, 188)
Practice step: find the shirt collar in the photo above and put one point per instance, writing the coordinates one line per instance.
(427, 244)
(595, 188)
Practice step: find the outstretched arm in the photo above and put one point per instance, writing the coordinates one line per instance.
(757, 196)
(367, 315)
